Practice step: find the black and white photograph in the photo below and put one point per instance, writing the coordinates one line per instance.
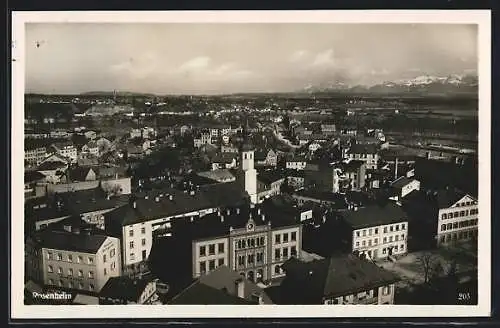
(287, 162)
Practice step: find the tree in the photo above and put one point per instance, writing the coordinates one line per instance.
(427, 261)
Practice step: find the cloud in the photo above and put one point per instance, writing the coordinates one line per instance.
(324, 59)
(297, 56)
(137, 67)
(195, 64)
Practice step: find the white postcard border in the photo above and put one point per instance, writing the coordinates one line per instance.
(21, 311)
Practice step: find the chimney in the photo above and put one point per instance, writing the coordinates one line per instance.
(134, 204)
(171, 197)
(258, 211)
(396, 169)
(222, 218)
(146, 197)
(237, 210)
(191, 192)
(240, 288)
(157, 199)
(228, 211)
(263, 216)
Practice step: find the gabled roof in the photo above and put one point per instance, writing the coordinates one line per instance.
(124, 288)
(336, 276)
(68, 241)
(363, 149)
(401, 182)
(78, 173)
(269, 177)
(199, 293)
(224, 278)
(48, 166)
(374, 215)
(446, 198)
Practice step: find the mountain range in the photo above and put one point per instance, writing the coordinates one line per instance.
(424, 84)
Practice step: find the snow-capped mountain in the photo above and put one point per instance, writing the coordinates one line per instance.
(455, 83)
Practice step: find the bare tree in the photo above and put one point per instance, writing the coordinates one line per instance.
(427, 261)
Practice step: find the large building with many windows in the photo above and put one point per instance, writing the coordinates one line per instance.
(150, 215)
(457, 217)
(377, 231)
(73, 260)
(249, 240)
(340, 279)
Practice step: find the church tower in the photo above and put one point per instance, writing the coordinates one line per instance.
(247, 167)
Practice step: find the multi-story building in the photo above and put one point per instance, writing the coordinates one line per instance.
(365, 152)
(266, 158)
(353, 174)
(457, 217)
(296, 163)
(248, 241)
(322, 176)
(346, 280)
(403, 186)
(74, 260)
(376, 231)
(67, 150)
(149, 216)
(35, 155)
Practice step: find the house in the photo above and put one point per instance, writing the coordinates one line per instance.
(296, 163)
(74, 260)
(457, 217)
(353, 174)
(224, 161)
(34, 154)
(236, 290)
(90, 148)
(91, 135)
(376, 231)
(202, 138)
(340, 279)
(124, 290)
(78, 173)
(365, 152)
(269, 184)
(295, 178)
(135, 133)
(149, 216)
(322, 176)
(249, 240)
(53, 157)
(53, 171)
(104, 145)
(31, 180)
(333, 200)
(266, 158)
(328, 129)
(220, 175)
(66, 149)
(403, 186)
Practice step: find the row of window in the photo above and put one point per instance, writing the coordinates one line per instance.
(283, 253)
(211, 249)
(374, 231)
(69, 258)
(277, 237)
(250, 242)
(461, 235)
(459, 214)
(468, 203)
(112, 254)
(60, 271)
(131, 232)
(60, 283)
(132, 256)
(389, 239)
(211, 265)
(143, 243)
(394, 249)
(459, 225)
(250, 259)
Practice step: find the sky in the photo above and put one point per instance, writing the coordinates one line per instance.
(189, 58)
